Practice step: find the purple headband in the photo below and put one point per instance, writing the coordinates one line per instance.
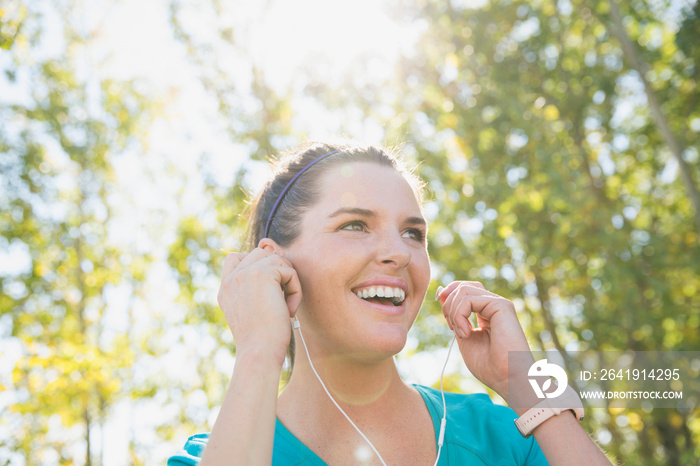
(289, 185)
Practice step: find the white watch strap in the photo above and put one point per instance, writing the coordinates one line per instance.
(544, 410)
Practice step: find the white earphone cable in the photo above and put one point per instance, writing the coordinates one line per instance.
(443, 422)
(297, 325)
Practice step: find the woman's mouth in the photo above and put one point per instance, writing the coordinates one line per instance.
(384, 295)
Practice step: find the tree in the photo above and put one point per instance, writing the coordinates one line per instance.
(554, 183)
(61, 128)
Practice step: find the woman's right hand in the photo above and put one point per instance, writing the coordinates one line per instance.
(259, 292)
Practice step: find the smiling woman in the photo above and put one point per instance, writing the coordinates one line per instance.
(334, 179)
(338, 249)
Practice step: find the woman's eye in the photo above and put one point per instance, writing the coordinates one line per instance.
(354, 226)
(415, 234)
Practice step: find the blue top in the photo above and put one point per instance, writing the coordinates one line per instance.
(477, 432)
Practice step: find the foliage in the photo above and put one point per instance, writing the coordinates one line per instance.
(555, 187)
(59, 136)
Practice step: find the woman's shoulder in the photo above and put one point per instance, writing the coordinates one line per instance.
(459, 404)
(287, 450)
(191, 453)
(479, 430)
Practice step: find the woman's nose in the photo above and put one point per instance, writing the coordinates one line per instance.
(392, 249)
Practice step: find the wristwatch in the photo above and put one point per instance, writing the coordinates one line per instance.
(544, 410)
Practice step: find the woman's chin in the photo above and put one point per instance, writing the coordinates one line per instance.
(388, 343)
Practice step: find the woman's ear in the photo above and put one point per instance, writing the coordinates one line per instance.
(269, 245)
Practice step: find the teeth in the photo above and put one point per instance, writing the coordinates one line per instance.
(397, 295)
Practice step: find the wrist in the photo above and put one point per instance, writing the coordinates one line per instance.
(260, 357)
(522, 401)
(547, 408)
(518, 392)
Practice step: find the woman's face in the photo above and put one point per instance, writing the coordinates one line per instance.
(365, 235)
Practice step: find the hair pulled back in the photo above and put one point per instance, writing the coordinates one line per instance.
(285, 226)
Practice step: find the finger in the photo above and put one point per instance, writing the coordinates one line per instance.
(464, 325)
(474, 288)
(446, 291)
(446, 308)
(476, 284)
(460, 313)
(483, 323)
(468, 303)
(450, 296)
(292, 288)
(254, 256)
(286, 261)
(438, 292)
(487, 307)
(449, 310)
(231, 262)
(457, 291)
(477, 289)
(451, 307)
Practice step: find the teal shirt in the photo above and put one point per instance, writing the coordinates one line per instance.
(477, 433)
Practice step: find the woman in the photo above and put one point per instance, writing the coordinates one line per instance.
(340, 248)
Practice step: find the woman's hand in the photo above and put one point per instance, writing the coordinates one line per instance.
(484, 349)
(259, 292)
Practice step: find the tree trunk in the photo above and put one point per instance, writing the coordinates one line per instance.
(635, 61)
(88, 451)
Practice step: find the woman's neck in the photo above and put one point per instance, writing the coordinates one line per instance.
(364, 385)
(348, 381)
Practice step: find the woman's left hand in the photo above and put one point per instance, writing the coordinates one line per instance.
(484, 349)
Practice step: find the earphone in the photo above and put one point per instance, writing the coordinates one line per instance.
(441, 437)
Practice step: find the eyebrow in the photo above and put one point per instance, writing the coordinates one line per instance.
(372, 214)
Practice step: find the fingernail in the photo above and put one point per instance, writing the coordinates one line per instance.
(461, 334)
(437, 294)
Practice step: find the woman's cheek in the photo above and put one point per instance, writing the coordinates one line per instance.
(422, 272)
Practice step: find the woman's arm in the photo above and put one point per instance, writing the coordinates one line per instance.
(564, 442)
(485, 351)
(561, 438)
(259, 293)
(245, 428)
